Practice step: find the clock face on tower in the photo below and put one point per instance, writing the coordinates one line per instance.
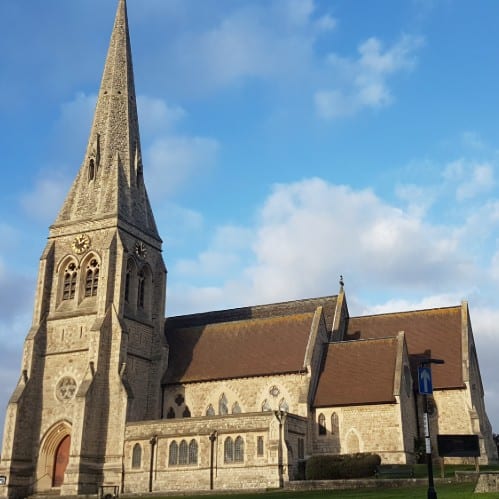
(81, 244)
(140, 249)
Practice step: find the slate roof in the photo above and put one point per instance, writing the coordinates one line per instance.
(239, 348)
(357, 373)
(437, 330)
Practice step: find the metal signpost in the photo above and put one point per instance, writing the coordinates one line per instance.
(425, 389)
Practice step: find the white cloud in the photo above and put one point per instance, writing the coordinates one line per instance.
(47, 196)
(310, 232)
(470, 178)
(481, 181)
(363, 82)
(223, 256)
(156, 116)
(175, 160)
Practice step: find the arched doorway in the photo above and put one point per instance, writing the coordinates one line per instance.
(53, 458)
(61, 461)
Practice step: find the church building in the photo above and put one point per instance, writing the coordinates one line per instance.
(114, 397)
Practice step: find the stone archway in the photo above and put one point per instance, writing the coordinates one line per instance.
(54, 456)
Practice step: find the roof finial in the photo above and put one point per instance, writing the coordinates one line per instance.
(342, 283)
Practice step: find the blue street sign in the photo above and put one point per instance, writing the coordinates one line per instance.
(424, 381)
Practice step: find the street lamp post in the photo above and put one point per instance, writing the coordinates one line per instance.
(425, 389)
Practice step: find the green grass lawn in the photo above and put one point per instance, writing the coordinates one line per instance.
(444, 491)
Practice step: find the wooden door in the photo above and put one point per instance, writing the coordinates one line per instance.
(61, 461)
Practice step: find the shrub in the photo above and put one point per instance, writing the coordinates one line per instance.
(333, 467)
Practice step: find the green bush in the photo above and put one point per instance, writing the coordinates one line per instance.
(333, 467)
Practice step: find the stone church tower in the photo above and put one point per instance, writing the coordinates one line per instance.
(94, 356)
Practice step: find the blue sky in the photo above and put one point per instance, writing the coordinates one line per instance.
(284, 143)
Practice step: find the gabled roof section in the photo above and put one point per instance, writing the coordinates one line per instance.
(358, 373)
(110, 181)
(328, 304)
(238, 348)
(438, 331)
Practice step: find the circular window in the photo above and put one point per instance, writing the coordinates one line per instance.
(65, 389)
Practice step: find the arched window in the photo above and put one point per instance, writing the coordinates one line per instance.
(259, 446)
(223, 408)
(137, 456)
(239, 450)
(170, 414)
(141, 289)
(183, 453)
(322, 424)
(210, 411)
(92, 278)
(228, 450)
(128, 278)
(69, 285)
(335, 426)
(283, 405)
(186, 413)
(91, 169)
(193, 452)
(266, 406)
(236, 408)
(173, 454)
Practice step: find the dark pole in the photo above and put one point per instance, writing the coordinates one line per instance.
(151, 463)
(432, 493)
(213, 437)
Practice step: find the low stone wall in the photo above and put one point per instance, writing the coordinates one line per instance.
(487, 482)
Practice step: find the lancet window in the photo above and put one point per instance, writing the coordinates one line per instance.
(210, 411)
(173, 454)
(335, 426)
(322, 424)
(223, 408)
(69, 284)
(234, 450)
(141, 281)
(259, 446)
(183, 453)
(136, 456)
(92, 278)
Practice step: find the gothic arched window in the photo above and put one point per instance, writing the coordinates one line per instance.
(173, 454)
(335, 426)
(69, 284)
(186, 413)
(183, 453)
(193, 452)
(91, 169)
(136, 456)
(210, 411)
(128, 277)
(322, 424)
(259, 446)
(266, 406)
(228, 450)
(223, 408)
(141, 289)
(236, 408)
(239, 450)
(170, 414)
(92, 278)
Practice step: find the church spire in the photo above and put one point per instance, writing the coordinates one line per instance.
(110, 182)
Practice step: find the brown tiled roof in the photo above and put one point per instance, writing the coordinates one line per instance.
(224, 350)
(328, 303)
(357, 372)
(437, 330)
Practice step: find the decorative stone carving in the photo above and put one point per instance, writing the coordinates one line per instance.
(65, 389)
